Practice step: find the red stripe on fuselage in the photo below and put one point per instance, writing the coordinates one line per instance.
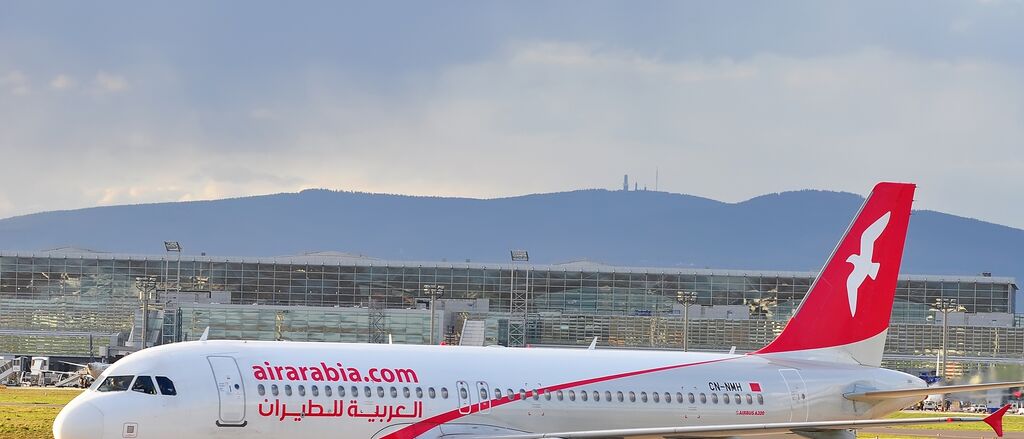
(426, 425)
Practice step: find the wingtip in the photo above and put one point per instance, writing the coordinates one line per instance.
(995, 420)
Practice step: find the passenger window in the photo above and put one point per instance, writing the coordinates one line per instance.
(497, 393)
(749, 399)
(703, 398)
(536, 395)
(632, 396)
(261, 390)
(736, 398)
(583, 395)
(547, 396)
(510, 393)
(654, 395)
(444, 393)
(394, 392)
(463, 393)
(725, 398)
(327, 391)
(380, 392)
(273, 390)
(355, 392)
(419, 392)
(668, 397)
(302, 390)
(689, 397)
(618, 395)
(714, 398)
(166, 386)
(432, 393)
(643, 396)
(115, 383)
(608, 396)
(315, 390)
(341, 391)
(144, 384)
(760, 399)
(288, 390)
(367, 392)
(522, 394)
(405, 392)
(560, 395)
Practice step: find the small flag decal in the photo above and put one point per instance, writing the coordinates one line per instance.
(755, 387)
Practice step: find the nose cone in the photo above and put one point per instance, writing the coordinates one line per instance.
(78, 420)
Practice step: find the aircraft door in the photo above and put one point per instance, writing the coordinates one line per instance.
(483, 390)
(230, 391)
(465, 397)
(797, 394)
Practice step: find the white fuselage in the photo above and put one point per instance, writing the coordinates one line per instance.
(404, 391)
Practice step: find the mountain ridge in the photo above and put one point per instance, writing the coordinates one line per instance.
(792, 231)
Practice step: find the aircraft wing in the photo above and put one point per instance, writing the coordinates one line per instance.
(73, 364)
(995, 420)
(925, 391)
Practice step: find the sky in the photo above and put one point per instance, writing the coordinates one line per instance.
(136, 102)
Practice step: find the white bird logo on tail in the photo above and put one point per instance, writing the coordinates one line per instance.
(863, 266)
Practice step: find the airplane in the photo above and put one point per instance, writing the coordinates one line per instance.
(93, 369)
(820, 378)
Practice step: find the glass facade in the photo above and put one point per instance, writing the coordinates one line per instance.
(294, 323)
(61, 299)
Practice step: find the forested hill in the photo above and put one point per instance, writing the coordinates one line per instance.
(787, 231)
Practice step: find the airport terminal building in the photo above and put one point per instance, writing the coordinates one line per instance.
(74, 302)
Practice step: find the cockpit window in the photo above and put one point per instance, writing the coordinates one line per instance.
(144, 384)
(117, 383)
(96, 383)
(166, 386)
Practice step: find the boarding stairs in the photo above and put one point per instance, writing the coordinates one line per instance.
(472, 333)
(8, 369)
(72, 380)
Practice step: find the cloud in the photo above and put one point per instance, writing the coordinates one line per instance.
(543, 116)
(16, 83)
(171, 191)
(63, 82)
(108, 83)
(549, 115)
(999, 2)
(262, 114)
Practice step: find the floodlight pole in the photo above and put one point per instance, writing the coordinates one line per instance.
(995, 331)
(945, 306)
(434, 292)
(686, 298)
(172, 247)
(146, 285)
(519, 301)
(945, 342)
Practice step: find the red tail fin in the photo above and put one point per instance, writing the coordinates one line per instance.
(995, 420)
(846, 311)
